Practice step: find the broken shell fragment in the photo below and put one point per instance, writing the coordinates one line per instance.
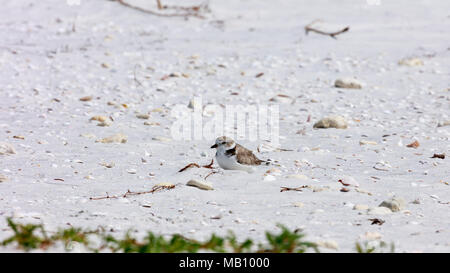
(3, 178)
(165, 184)
(117, 138)
(200, 185)
(415, 145)
(281, 98)
(6, 148)
(86, 98)
(99, 118)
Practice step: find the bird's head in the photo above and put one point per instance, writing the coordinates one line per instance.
(224, 142)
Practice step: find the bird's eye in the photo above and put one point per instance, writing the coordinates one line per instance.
(223, 142)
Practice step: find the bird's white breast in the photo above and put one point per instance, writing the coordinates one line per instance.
(230, 163)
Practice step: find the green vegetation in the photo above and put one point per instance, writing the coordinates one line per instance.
(367, 247)
(28, 237)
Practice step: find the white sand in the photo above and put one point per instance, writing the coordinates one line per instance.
(42, 59)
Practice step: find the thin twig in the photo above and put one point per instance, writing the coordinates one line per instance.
(293, 189)
(135, 78)
(130, 193)
(378, 169)
(190, 165)
(186, 14)
(213, 172)
(343, 183)
(309, 28)
(74, 27)
(209, 166)
(104, 197)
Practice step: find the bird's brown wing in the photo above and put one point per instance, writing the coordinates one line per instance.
(245, 156)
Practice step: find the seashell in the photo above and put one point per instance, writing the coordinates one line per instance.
(201, 185)
(6, 149)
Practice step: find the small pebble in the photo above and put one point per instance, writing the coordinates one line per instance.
(280, 98)
(337, 122)
(411, 62)
(349, 83)
(330, 244)
(361, 207)
(395, 204)
(379, 211)
(143, 116)
(86, 98)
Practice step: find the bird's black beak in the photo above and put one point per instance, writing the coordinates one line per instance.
(214, 146)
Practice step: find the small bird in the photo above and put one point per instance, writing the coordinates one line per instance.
(232, 156)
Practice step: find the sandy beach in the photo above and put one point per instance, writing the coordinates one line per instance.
(74, 73)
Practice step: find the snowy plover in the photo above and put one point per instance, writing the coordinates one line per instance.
(232, 156)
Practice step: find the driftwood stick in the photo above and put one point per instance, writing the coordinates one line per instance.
(309, 28)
